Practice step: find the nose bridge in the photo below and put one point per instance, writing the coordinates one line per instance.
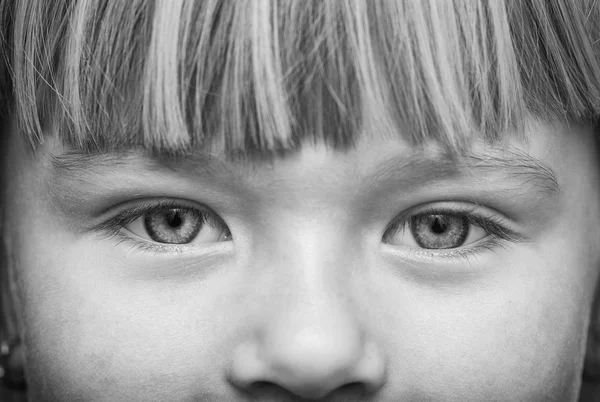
(310, 340)
(314, 308)
(311, 272)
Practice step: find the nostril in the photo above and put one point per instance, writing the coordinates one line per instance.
(356, 389)
(267, 389)
(261, 386)
(270, 390)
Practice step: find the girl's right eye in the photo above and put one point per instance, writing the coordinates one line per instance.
(443, 231)
(166, 224)
(464, 227)
(179, 225)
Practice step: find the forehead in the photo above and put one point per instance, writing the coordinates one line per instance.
(375, 159)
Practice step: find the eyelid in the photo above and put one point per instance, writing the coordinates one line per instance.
(129, 212)
(126, 213)
(476, 214)
(458, 207)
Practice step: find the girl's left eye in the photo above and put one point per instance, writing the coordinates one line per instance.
(442, 230)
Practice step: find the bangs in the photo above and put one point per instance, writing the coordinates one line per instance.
(266, 76)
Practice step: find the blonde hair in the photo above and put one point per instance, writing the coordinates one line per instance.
(267, 75)
(264, 76)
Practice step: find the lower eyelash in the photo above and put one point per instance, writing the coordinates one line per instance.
(144, 246)
(490, 244)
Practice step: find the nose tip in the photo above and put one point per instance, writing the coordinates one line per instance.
(308, 366)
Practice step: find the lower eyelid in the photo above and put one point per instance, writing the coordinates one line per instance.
(436, 256)
(143, 245)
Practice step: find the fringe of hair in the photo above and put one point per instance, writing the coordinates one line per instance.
(267, 75)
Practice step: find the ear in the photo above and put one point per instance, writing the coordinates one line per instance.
(8, 321)
(591, 372)
(12, 362)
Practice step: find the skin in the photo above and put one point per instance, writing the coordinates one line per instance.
(306, 302)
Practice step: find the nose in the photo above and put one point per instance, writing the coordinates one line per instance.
(311, 346)
(309, 367)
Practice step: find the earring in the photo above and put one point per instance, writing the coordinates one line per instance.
(11, 364)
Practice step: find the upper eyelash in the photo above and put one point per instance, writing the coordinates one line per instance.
(131, 214)
(491, 224)
(498, 237)
(113, 227)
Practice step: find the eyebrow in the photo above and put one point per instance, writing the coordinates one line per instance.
(513, 163)
(423, 166)
(76, 162)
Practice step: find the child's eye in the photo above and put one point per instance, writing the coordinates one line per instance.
(179, 226)
(436, 231)
(446, 229)
(165, 224)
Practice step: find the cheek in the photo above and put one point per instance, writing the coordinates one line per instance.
(89, 336)
(516, 333)
(92, 333)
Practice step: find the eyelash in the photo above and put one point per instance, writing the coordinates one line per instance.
(114, 226)
(498, 233)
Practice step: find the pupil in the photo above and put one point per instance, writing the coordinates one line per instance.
(438, 227)
(174, 219)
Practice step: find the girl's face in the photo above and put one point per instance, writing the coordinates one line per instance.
(384, 273)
